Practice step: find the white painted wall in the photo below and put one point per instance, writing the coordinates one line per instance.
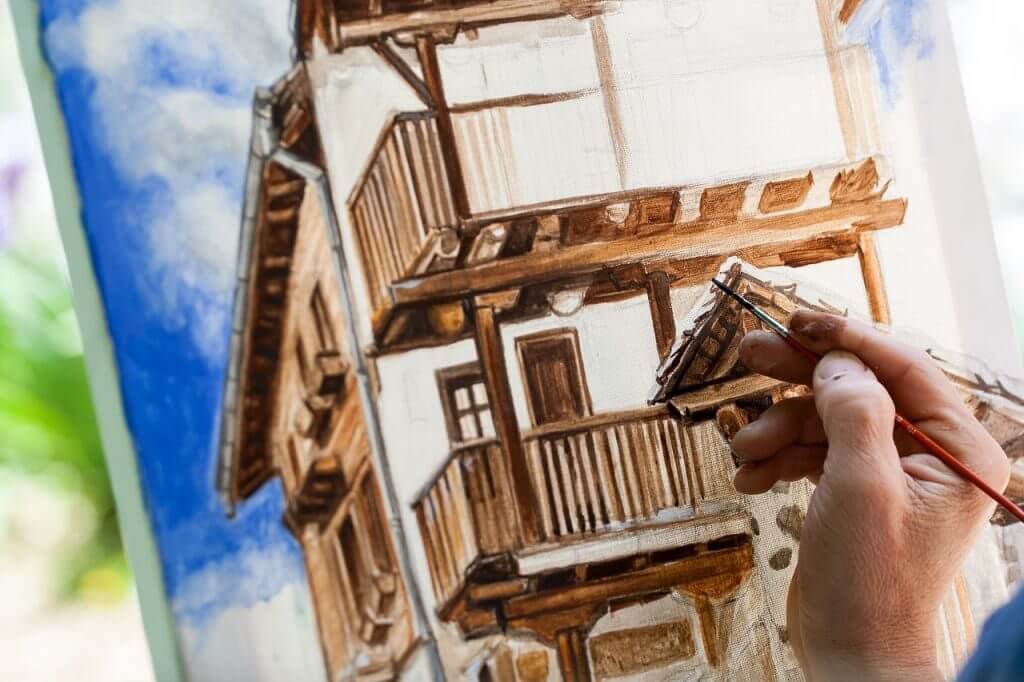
(706, 89)
(722, 89)
(354, 93)
(620, 357)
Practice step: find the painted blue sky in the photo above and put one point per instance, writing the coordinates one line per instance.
(156, 94)
(157, 99)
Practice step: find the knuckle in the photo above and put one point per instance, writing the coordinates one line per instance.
(862, 401)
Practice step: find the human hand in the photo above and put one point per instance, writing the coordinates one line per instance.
(888, 526)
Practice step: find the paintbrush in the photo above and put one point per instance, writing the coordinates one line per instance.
(917, 434)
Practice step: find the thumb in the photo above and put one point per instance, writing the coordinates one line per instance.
(859, 417)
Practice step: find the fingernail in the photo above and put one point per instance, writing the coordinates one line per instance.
(756, 353)
(838, 364)
(814, 327)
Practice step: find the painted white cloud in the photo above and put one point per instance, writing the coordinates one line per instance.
(241, 577)
(267, 633)
(268, 641)
(173, 86)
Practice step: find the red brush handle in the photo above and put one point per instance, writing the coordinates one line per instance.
(930, 445)
(956, 465)
(802, 349)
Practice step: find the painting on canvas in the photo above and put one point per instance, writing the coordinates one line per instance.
(412, 314)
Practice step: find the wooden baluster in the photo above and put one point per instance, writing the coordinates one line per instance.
(680, 458)
(477, 501)
(652, 445)
(664, 431)
(540, 485)
(608, 483)
(568, 485)
(634, 472)
(415, 164)
(451, 528)
(444, 564)
(693, 459)
(598, 502)
(451, 569)
(619, 469)
(428, 547)
(505, 506)
(405, 230)
(583, 502)
(646, 475)
(555, 487)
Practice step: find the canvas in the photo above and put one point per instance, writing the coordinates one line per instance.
(400, 317)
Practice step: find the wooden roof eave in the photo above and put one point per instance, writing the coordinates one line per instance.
(262, 144)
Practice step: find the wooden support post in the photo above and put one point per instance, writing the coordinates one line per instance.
(871, 271)
(708, 630)
(610, 93)
(844, 107)
(427, 51)
(659, 297)
(404, 71)
(492, 359)
(572, 656)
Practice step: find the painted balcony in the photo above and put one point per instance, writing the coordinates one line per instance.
(401, 208)
(418, 257)
(591, 479)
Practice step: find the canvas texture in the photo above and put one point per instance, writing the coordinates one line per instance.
(411, 302)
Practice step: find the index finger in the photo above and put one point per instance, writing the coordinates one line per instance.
(917, 385)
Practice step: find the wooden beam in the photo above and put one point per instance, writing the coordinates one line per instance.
(659, 576)
(492, 359)
(427, 50)
(406, 73)
(443, 18)
(682, 242)
(610, 92)
(659, 297)
(844, 105)
(848, 9)
(689, 403)
(524, 100)
(874, 283)
(498, 590)
(572, 656)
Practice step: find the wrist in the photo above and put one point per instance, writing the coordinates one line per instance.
(890, 653)
(840, 668)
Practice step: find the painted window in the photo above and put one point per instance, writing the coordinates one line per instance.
(466, 404)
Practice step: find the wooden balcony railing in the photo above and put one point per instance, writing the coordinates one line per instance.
(464, 514)
(599, 474)
(609, 471)
(401, 202)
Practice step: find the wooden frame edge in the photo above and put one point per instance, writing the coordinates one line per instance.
(118, 446)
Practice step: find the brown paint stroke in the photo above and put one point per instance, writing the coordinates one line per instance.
(609, 90)
(524, 100)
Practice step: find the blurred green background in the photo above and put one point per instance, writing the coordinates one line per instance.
(69, 606)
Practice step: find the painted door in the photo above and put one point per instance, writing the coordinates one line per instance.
(556, 387)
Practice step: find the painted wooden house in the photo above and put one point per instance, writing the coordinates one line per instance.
(474, 234)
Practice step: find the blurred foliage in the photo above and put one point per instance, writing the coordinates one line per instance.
(47, 420)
